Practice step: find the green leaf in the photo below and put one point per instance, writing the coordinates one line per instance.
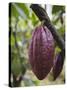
(23, 69)
(24, 8)
(16, 67)
(14, 11)
(17, 11)
(36, 82)
(57, 8)
(61, 31)
(34, 19)
(57, 49)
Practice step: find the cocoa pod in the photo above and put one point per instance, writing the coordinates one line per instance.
(58, 64)
(41, 52)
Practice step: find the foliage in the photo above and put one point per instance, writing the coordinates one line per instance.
(23, 21)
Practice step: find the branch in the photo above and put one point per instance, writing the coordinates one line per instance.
(42, 15)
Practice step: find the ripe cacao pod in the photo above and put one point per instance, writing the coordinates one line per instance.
(41, 52)
(58, 64)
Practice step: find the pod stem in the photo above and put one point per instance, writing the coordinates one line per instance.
(43, 16)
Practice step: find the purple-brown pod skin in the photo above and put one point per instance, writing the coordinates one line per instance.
(41, 52)
(58, 64)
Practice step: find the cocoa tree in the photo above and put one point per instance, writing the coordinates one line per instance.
(20, 15)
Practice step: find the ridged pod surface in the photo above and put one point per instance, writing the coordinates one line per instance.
(58, 64)
(41, 52)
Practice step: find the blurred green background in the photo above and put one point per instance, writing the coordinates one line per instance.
(22, 21)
